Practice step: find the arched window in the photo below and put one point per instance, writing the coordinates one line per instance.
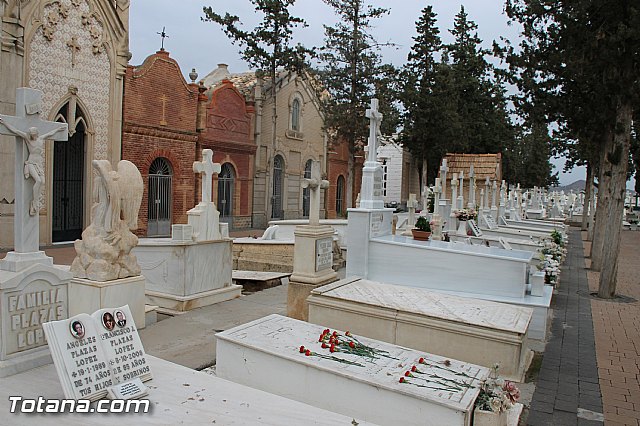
(295, 115)
(278, 183)
(159, 203)
(305, 192)
(340, 196)
(226, 180)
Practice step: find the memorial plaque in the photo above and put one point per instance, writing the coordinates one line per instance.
(380, 224)
(474, 228)
(324, 254)
(491, 224)
(378, 183)
(24, 311)
(94, 352)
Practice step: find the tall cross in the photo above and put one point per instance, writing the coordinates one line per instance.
(75, 47)
(164, 35)
(443, 177)
(315, 183)
(436, 198)
(460, 200)
(207, 168)
(164, 99)
(375, 118)
(30, 132)
(472, 189)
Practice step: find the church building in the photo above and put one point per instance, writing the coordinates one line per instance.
(76, 53)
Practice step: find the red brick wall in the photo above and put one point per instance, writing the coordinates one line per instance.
(159, 115)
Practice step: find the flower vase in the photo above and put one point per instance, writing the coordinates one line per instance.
(462, 228)
(489, 418)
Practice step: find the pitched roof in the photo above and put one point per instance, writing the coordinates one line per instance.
(483, 165)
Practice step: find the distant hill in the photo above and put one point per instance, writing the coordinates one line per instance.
(576, 186)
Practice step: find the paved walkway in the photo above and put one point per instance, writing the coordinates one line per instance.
(617, 331)
(567, 389)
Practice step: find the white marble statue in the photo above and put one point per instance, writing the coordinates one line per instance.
(104, 252)
(34, 164)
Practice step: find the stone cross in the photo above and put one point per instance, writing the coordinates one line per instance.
(75, 48)
(481, 210)
(30, 132)
(487, 191)
(164, 98)
(375, 118)
(315, 184)
(412, 203)
(454, 196)
(472, 189)
(207, 168)
(436, 199)
(460, 200)
(443, 177)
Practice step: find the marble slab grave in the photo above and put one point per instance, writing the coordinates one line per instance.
(264, 354)
(472, 330)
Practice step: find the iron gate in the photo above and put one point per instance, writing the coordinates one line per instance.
(159, 213)
(226, 180)
(276, 199)
(305, 191)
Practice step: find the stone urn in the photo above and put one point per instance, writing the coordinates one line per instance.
(420, 235)
(462, 228)
(489, 418)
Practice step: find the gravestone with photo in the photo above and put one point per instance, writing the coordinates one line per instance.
(92, 353)
(32, 289)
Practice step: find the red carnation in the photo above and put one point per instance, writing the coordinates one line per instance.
(421, 360)
(324, 345)
(348, 333)
(401, 379)
(332, 348)
(351, 344)
(301, 349)
(308, 352)
(407, 374)
(414, 368)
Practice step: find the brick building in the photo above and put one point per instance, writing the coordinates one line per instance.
(484, 166)
(229, 132)
(160, 136)
(337, 170)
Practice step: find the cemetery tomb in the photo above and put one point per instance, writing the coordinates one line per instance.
(472, 330)
(177, 395)
(266, 354)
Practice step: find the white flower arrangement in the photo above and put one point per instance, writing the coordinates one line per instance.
(465, 214)
(497, 395)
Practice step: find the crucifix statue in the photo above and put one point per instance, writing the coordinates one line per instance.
(30, 132)
(207, 168)
(315, 183)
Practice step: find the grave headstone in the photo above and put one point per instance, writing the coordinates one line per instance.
(372, 173)
(32, 290)
(472, 189)
(205, 217)
(474, 228)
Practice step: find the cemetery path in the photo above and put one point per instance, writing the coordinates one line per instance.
(567, 389)
(617, 332)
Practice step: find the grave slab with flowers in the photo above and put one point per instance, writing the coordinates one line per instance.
(349, 374)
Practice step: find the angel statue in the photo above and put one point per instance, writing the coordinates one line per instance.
(104, 253)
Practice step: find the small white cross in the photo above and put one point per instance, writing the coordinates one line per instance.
(207, 168)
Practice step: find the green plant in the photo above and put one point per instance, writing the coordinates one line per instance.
(557, 238)
(423, 224)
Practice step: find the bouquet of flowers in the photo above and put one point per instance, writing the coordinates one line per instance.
(497, 395)
(465, 214)
(550, 267)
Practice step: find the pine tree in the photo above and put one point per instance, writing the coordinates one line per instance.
(351, 72)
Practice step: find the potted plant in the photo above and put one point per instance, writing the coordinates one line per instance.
(495, 398)
(422, 230)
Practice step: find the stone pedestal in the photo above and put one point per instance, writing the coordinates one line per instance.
(88, 296)
(184, 275)
(312, 267)
(29, 297)
(204, 219)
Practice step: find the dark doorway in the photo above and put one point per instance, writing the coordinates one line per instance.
(159, 213)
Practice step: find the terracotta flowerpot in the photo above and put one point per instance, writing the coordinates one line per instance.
(420, 235)
(489, 418)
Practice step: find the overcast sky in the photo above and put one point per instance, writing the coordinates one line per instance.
(203, 45)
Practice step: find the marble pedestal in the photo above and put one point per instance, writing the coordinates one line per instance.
(264, 354)
(29, 297)
(253, 254)
(88, 296)
(184, 275)
(312, 267)
(471, 330)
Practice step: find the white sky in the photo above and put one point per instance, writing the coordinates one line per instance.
(202, 45)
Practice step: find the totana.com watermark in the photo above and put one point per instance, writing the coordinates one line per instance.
(42, 405)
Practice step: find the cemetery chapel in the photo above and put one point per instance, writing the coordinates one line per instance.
(76, 53)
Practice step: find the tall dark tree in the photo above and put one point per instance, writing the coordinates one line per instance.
(268, 48)
(590, 48)
(351, 72)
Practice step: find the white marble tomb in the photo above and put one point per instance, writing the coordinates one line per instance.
(178, 395)
(472, 330)
(184, 275)
(264, 354)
